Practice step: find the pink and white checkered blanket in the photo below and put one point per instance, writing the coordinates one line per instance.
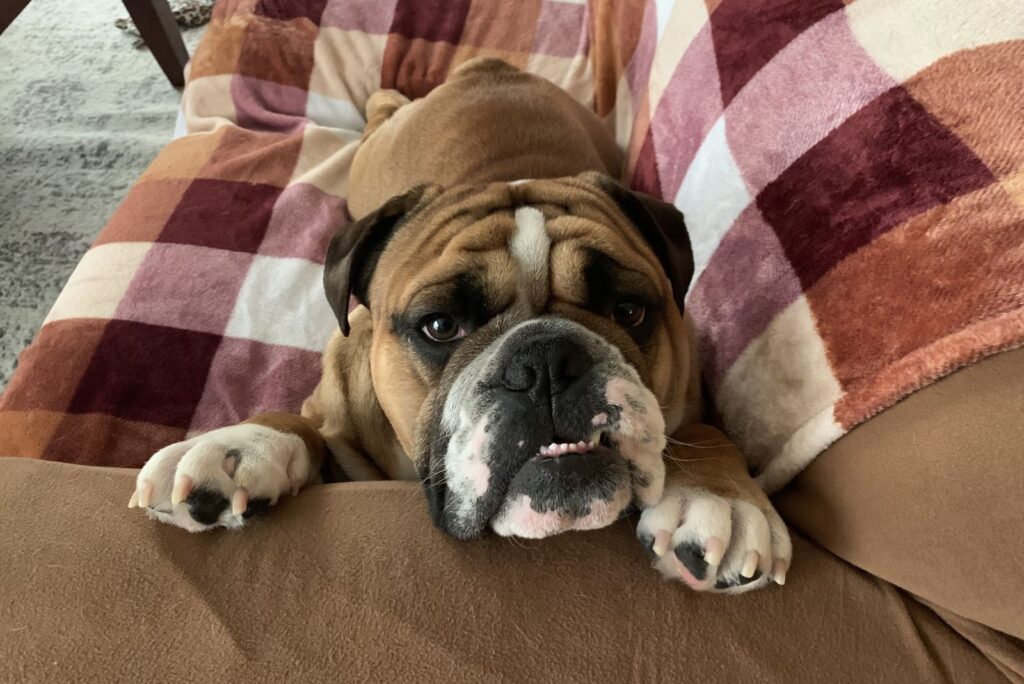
(852, 175)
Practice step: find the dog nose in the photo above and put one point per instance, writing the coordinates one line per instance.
(546, 365)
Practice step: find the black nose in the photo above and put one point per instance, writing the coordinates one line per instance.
(545, 365)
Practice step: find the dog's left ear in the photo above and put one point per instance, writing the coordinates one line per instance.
(356, 248)
(662, 226)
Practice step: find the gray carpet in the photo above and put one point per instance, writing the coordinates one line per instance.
(82, 113)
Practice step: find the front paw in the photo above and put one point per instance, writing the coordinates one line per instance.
(714, 543)
(221, 478)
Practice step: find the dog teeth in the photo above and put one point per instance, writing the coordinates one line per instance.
(554, 449)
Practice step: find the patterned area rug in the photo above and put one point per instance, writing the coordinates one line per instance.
(82, 113)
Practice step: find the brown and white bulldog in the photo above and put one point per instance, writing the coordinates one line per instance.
(520, 347)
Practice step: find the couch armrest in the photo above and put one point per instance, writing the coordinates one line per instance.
(352, 581)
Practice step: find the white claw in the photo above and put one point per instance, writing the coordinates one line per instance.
(134, 501)
(145, 494)
(239, 501)
(779, 572)
(662, 540)
(182, 487)
(714, 551)
(750, 564)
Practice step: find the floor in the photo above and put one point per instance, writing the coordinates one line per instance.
(82, 113)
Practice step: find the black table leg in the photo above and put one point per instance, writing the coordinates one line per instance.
(159, 29)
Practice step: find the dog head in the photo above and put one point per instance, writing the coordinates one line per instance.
(527, 347)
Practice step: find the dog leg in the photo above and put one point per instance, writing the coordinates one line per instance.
(222, 477)
(714, 528)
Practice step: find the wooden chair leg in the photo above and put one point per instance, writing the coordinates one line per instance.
(159, 29)
(9, 9)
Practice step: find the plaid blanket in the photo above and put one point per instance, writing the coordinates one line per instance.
(852, 175)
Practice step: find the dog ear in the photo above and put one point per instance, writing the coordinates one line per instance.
(662, 226)
(355, 250)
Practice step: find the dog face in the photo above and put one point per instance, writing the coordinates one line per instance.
(527, 348)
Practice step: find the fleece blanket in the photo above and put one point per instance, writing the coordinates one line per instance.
(852, 175)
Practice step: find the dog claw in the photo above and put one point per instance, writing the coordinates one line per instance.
(779, 572)
(145, 494)
(662, 539)
(134, 501)
(714, 551)
(182, 487)
(750, 564)
(239, 501)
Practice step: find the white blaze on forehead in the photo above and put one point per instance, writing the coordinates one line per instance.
(531, 247)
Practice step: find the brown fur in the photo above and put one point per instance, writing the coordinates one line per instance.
(715, 465)
(462, 133)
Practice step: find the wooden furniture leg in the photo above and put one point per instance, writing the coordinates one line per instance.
(160, 31)
(9, 9)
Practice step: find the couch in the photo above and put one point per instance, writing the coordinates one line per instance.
(851, 176)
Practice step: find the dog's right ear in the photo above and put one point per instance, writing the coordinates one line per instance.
(356, 248)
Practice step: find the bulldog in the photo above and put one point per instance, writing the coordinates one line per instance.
(512, 335)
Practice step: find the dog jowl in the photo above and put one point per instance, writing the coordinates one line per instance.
(548, 429)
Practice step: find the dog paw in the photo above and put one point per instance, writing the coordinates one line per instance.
(714, 543)
(221, 478)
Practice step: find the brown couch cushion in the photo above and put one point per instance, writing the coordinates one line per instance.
(352, 582)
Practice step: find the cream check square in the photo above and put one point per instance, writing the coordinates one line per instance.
(100, 281)
(282, 302)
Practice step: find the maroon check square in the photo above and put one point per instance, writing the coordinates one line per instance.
(292, 9)
(146, 373)
(222, 214)
(439, 21)
(748, 34)
(886, 163)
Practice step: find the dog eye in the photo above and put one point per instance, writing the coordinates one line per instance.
(629, 314)
(441, 328)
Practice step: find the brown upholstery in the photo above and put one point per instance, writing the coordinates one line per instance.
(351, 582)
